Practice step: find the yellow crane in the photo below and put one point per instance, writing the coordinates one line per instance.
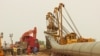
(64, 42)
(55, 27)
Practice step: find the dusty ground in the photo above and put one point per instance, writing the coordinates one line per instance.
(41, 53)
(44, 53)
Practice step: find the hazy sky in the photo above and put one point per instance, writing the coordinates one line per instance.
(18, 16)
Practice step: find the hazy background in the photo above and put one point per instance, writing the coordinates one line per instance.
(18, 16)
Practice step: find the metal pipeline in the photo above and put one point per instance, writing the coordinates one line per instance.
(75, 49)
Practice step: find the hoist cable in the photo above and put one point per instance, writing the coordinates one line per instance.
(72, 21)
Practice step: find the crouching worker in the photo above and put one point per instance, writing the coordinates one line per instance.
(35, 50)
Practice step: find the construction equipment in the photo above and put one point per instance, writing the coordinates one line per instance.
(56, 28)
(29, 39)
(1, 49)
(63, 42)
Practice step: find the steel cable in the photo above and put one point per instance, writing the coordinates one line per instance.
(72, 21)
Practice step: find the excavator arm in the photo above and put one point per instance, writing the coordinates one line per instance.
(28, 33)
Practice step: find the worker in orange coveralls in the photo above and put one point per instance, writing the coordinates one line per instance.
(28, 50)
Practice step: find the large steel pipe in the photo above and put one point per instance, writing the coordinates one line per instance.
(75, 49)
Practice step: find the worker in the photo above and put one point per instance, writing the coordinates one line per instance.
(35, 48)
(11, 49)
(5, 50)
(15, 50)
(28, 50)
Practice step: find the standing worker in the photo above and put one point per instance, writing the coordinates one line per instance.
(28, 50)
(15, 50)
(35, 48)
